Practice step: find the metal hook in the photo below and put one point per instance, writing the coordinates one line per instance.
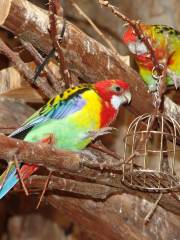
(155, 70)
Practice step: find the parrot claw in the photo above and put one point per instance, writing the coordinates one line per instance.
(101, 132)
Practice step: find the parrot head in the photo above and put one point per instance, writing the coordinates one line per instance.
(115, 92)
(134, 44)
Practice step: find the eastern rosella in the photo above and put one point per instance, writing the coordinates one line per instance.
(71, 118)
(166, 44)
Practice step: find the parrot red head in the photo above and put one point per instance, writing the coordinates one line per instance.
(135, 45)
(116, 92)
(113, 94)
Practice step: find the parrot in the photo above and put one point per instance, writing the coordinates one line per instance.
(71, 120)
(165, 42)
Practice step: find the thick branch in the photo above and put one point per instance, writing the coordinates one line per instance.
(58, 160)
(85, 189)
(40, 154)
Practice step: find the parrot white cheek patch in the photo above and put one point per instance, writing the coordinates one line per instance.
(116, 101)
(141, 48)
(137, 48)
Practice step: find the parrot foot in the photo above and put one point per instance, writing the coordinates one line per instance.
(101, 132)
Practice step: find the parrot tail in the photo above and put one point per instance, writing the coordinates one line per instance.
(11, 177)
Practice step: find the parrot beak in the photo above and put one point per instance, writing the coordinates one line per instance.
(127, 96)
(117, 101)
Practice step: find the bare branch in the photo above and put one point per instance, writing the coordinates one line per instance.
(54, 8)
(37, 153)
(25, 70)
(39, 60)
(81, 12)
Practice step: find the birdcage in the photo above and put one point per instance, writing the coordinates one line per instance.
(150, 157)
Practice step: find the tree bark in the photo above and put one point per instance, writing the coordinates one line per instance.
(119, 217)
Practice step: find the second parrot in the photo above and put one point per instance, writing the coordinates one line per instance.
(165, 42)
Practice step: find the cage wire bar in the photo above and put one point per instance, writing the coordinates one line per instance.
(139, 150)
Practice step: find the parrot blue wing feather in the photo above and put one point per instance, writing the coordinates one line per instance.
(9, 184)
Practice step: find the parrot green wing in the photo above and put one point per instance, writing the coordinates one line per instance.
(57, 108)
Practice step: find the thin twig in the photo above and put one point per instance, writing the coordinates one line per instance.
(25, 70)
(41, 67)
(20, 176)
(40, 60)
(137, 28)
(44, 189)
(150, 214)
(96, 29)
(105, 150)
(54, 6)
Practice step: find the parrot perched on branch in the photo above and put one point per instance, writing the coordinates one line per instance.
(73, 119)
(165, 42)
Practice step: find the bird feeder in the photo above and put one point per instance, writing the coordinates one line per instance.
(151, 137)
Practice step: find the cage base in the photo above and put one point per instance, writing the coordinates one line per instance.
(151, 181)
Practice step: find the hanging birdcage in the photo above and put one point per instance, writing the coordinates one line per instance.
(150, 154)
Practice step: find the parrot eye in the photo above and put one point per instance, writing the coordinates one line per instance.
(118, 89)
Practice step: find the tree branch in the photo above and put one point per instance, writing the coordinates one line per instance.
(37, 153)
(84, 189)
(25, 70)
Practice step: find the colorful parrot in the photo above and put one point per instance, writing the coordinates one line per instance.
(73, 118)
(166, 44)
